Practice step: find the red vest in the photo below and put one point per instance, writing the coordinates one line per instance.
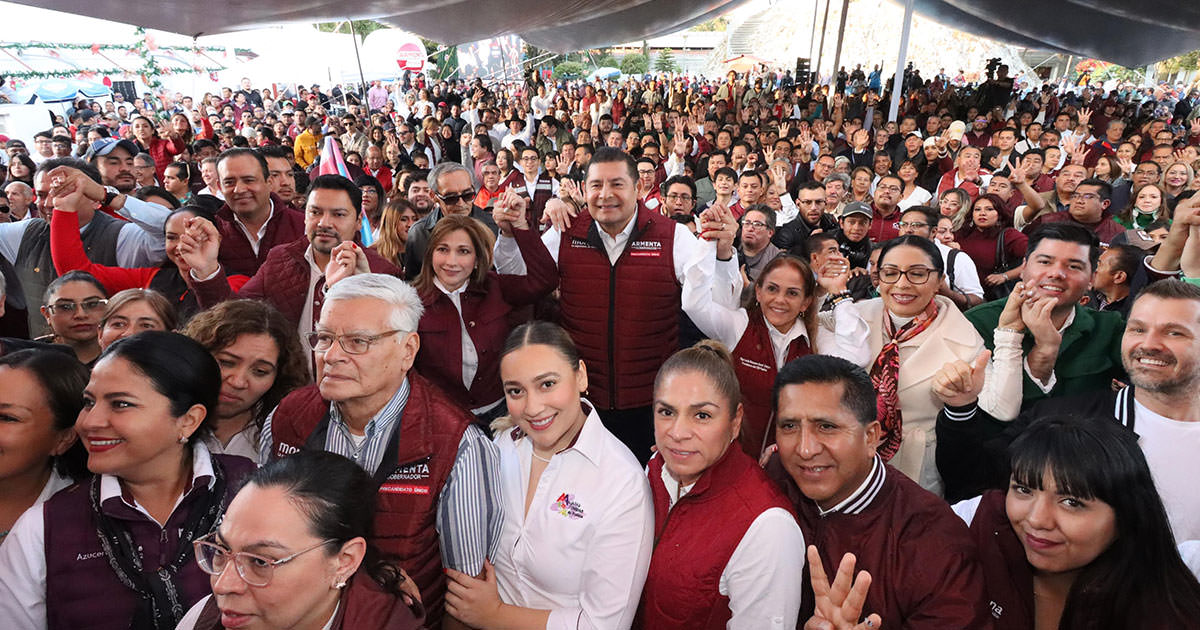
(625, 317)
(1007, 575)
(82, 590)
(543, 191)
(431, 427)
(754, 363)
(694, 541)
(236, 255)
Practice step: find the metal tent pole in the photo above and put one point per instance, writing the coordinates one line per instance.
(837, 55)
(898, 81)
(821, 49)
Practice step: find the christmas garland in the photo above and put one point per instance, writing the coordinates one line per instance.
(143, 47)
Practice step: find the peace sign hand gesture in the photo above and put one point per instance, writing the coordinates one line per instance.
(839, 605)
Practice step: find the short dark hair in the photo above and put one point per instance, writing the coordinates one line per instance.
(63, 378)
(1128, 259)
(1065, 232)
(274, 151)
(145, 192)
(88, 168)
(1170, 289)
(727, 172)
(931, 215)
(858, 395)
(679, 179)
(609, 155)
(246, 152)
(811, 185)
(1105, 187)
(330, 181)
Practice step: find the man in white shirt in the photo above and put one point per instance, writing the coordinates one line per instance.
(962, 278)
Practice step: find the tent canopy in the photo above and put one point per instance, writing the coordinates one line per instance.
(1124, 32)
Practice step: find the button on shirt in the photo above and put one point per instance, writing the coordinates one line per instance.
(583, 549)
(469, 511)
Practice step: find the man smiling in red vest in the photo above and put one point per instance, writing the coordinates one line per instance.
(622, 268)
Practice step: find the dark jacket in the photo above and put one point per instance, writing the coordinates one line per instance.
(486, 310)
(236, 255)
(792, 237)
(282, 281)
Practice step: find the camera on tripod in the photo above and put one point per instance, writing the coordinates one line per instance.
(992, 64)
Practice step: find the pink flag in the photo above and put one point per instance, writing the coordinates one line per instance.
(331, 160)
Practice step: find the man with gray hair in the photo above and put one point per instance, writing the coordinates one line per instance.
(453, 188)
(20, 200)
(438, 474)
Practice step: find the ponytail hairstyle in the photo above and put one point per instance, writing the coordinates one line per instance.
(337, 497)
(712, 359)
(537, 333)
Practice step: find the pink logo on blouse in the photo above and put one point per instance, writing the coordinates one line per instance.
(567, 506)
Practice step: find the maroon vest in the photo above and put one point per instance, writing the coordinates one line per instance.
(625, 317)
(543, 191)
(364, 604)
(754, 363)
(82, 591)
(694, 540)
(1006, 573)
(237, 256)
(431, 428)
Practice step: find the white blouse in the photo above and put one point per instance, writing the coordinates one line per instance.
(583, 549)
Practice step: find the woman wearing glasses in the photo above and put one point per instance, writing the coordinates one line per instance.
(74, 304)
(318, 570)
(115, 551)
(911, 332)
(468, 306)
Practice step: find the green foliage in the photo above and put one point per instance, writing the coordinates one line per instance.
(665, 62)
(634, 64)
(1189, 61)
(362, 27)
(1112, 71)
(568, 70)
(607, 60)
(715, 24)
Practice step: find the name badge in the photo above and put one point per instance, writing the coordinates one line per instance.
(754, 365)
(411, 478)
(649, 249)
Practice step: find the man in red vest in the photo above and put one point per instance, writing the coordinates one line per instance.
(622, 267)
(923, 565)
(438, 474)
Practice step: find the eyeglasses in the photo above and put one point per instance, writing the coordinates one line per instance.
(1085, 196)
(912, 224)
(641, 172)
(915, 275)
(529, 158)
(755, 224)
(255, 570)
(352, 344)
(889, 188)
(678, 197)
(68, 308)
(465, 196)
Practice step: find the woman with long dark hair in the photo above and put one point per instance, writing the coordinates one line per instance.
(163, 148)
(320, 570)
(997, 249)
(1080, 539)
(261, 361)
(115, 550)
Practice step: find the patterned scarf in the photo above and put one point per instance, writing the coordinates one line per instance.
(885, 376)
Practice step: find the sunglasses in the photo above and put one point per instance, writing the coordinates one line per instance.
(465, 196)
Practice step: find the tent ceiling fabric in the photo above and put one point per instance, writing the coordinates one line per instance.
(1121, 31)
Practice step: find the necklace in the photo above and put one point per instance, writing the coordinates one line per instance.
(536, 456)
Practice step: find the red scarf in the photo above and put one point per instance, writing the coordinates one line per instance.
(885, 376)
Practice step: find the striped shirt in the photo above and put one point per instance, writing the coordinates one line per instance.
(862, 497)
(469, 513)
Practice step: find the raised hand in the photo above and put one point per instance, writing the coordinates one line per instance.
(199, 246)
(509, 212)
(1036, 313)
(1019, 172)
(834, 274)
(717, 223)
(1085, 116)
(1010, 316)
(347, 259)
(558, 214)
(958, 383)
(838, 606)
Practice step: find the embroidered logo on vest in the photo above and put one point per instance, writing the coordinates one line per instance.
(754, 365)
(284, 449)
(579, 243)
(997, 609)
(567, 506)
(410, 478)
(89, 556)
(652, 249)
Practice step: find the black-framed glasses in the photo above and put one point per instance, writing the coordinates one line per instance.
(465, 196)
(915, 275)
(678, 197)
(353, 343)
(255, 570)
(760, 225)
(69, 308)
(916, 225)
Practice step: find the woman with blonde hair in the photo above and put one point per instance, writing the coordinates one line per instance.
(398, 216)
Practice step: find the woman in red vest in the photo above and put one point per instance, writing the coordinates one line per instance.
(727, 550)
(572, 552)
(779, 324)
(317, 509)
(115, 551)
(1080, 539)
(467, 307)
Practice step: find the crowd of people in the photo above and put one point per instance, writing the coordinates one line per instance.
(657, 352)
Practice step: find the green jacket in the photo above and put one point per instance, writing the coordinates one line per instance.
(1088, 359)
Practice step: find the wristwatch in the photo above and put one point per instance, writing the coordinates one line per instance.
(111, 193)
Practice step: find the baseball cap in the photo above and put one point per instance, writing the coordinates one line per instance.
(930, 141)
(104, 146)
(857, 207)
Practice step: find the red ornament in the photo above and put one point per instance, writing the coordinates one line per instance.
(95, 49)
(107, 82)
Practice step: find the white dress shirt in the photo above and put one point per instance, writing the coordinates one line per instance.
(840, 336)
(583, 549)
(763, 576)
(685, 252)
(256, 237)
(470, 356)
(966, 277)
